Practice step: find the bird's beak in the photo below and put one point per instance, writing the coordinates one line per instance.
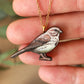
(61, 31)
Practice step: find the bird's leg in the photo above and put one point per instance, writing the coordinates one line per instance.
(44, 57)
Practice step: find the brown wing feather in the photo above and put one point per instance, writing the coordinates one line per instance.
(39, 41)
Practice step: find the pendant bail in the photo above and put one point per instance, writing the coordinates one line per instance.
(44, 28)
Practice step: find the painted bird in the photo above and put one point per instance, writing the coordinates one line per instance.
(43, 44)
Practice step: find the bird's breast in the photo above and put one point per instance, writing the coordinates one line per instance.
(45, 48)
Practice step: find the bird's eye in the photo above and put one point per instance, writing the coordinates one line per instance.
(55, 30)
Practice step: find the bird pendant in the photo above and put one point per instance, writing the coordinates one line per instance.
(43, 44)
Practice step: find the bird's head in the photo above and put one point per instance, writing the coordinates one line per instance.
(54, 31)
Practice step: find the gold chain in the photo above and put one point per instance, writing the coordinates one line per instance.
(47, 16)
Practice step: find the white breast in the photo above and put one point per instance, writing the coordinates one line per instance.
(48, 46)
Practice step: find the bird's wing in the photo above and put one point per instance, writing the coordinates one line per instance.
(39, 41)
(36, 43)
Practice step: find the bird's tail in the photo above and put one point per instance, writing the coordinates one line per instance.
(20, 52)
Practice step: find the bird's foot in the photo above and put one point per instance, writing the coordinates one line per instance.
(45, 58)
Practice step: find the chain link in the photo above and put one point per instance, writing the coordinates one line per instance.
(47, 16)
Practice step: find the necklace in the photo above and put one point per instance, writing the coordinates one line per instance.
(47, 16)
(45, 42)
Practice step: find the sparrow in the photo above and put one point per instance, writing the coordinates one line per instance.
(43, 44)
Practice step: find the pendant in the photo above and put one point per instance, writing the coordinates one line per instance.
(43, 44)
